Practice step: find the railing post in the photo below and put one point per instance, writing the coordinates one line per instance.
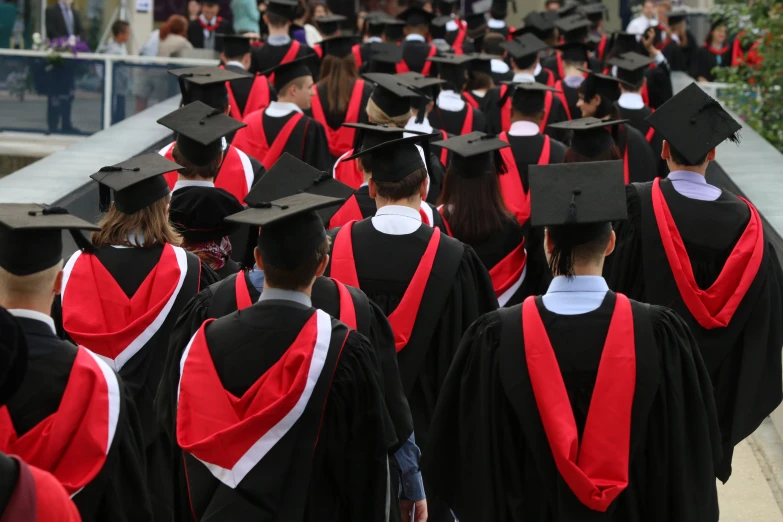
(108, 87)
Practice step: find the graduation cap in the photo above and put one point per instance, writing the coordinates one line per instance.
(414, 16)
(574, 51)
(475, 20)
(677, 15)
(567, 9)
(330, 24)
(137, 183)
(291, 230)
(393, 30)
(287, 72)
(481, 63)
(374, 22)
(537, 24)
(474, 153)
(425, 84)
(13, 356)
(370, 135)
(591, 135)
(573, 27)
(391, 94)
(525, 46)
(235, 45)
(597, 83)
(31, 236)
(623, 42)
(383, 56)
(285, 8)
(529, 97)
(694, 123)
(339, 46)
(200, 130)
(631, 67)
(594, 12)
(400, 157)
(577, 202)
(205, 84)
(438, 27)
(198, 213)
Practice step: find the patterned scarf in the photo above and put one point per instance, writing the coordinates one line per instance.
(212, 253)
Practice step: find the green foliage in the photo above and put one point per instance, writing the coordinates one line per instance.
(756, 90)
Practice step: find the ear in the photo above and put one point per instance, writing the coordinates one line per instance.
(423, 188)
(223, 58)
(58, 283)
(549, 246)
(322, 266)
(257, 257)
(266, 19)
(666, 151)
(610, 246)
(373, 189)
(711, 155)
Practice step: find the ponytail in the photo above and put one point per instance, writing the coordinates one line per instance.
(339, 75)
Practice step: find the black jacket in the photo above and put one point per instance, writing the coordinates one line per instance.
(56, 26)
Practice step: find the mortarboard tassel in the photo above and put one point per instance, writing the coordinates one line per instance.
(81, 242)
(571, 218)
(104, 198)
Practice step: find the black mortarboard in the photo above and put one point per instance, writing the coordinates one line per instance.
(438, 26)
(291, 230)
(574, 51)
(198, 213)
(481, 63)
(235, 45)
(631, 67)
(452, 68)
(199, 130)
(426, 84)
(474, 153)
(475, 20)
(374, 22)
(499, 9)
(137, 183)
(524, 46)
(676, 16)
(339, 46)
(596, 83)
(370, 135)
(594, 12)
(415, 15)
(330, 24)
(391, 94)
(537, 24)
(623, 42)
(400, 157)
(205, 84)
(393, 30)
(384, 56)
(567, 9)
(285, 8)
(529, 98)
(591, 136)
(694, 123)
(13, 355)
(31, 236)
(573, 27)
(287, 72)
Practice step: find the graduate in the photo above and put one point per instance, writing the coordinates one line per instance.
(702, 251)
(497, 19)
(479, 79)
(328, 427)
(474, 212)
(657, 87)
(500, 71)
(394, 31)
(203, 31)
(26, 492)
(245, 95)
(372, 28)
(598, 95)
(279, 48)
(476, 29)
(680, 47)
(451, 112)
(419, 121)
(456, 29)
(340, 96)
(283, 126)
(576, 57)
(544, 29)
(71, 415)
(207, 85)
(573, 28)
(580, 404)
(716, 52)
(438, 33)
(393, 258)
(528, 146)
(415, 49)
(197, 214)
(592, 140)
(630, 69)
(329, 25)
(595, 13)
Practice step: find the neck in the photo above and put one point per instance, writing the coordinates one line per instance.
(520, 117)
(278, 31)
(568, 70)
(628, 91)
(698, 169)
(308, 291)
(285, 99)
(36, 304)
(717, 45)
(414, 202)
(530, 71)
(180, 177)
(589, 269)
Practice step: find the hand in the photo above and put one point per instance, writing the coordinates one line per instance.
(418, 509)
(647, 39)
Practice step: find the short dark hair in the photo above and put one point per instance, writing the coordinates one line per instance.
(298, 277)
(191, 170)
(679, 159)
(492, 43)
(299, 82)
(119, 26)
(276, 20)
(366, 163)
(403, 189)
(525, 62)
(562, 260)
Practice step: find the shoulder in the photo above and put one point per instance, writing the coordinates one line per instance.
(53, 503)
(558, 146)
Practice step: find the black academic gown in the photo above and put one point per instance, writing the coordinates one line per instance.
(120, 491)
(642, 163)
(680, 57)
(267, 56)
(493, 101)
(706, 59)
(334, 121)
(453, 121)
(130, 267)
(659, 85)
(415, 54)
(458, 292)
(242, 87)
(344, 479)
(490, 457)
(572, 97)
(744, 358)
(637, 121)
(196, 34)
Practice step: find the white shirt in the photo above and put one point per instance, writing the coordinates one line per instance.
(499, 66)
(640, 24)
(574, 81)
(32, 314)
(278, 39)
(278, 109)
(236, 64)
(538, 69)
(182, 183)
(450, 101)
(578, 295)
(280, 294)
(396, 220)
(496, 24)
(693, 185)
(208, 34)
(375, 39)
(523, 128)
(415, 38)
(424, 126)
(675, 38)
(452, 26)
(524, 78)
(631, 100)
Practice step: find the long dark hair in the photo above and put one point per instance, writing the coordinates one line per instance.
(339, 76)
(473, 206)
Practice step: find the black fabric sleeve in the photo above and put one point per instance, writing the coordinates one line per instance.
(258, 169)
(316, 147)
(623, 269)
(437, 174)
(556, 115)
(207, 277)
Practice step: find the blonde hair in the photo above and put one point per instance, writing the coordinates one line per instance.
(14, 287)
(151, 224)
(377, 115)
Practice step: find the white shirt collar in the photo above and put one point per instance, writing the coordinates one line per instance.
(424, 126)
(687, 175)
(236, 64)
(452, 25)
(675, 38)
(499, 66)
(573, 81)
(523, 128)
(375, 39)
(577, 295)
(631, 100)
(496, 24)
(278, 40)
(538, 69)
(278, 109)
(396, 220)
(182, 183)
(450, 101)
(415, 38)
(32, 314)
(208, 22)
(279, 294)
(524, 78)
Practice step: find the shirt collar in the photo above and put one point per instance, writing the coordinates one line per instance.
(396, 220)
(450, 101)
(375, 39)
(277, 109)
(424, 126)
(498, 66)
(524, 78)
(538, 69)
(496, 24)
(523, 128)
(687, 175)
(208, 22)
(631, 100)
(415, 38)
(278, 39)
(236, 64)
(573, 81)
(279, 294)
(578, 284)
(182, 183)
(32, 314)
